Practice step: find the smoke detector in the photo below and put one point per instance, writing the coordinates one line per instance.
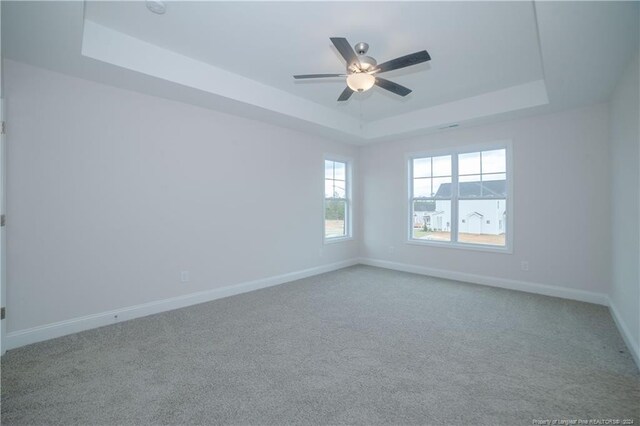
(156, 6)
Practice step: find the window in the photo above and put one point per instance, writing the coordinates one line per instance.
(337, 200)
(460, 198)
(431, 198)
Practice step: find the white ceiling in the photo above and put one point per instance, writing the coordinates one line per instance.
(490, 60)
(476, 48)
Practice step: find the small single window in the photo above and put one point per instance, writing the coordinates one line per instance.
(337, 209)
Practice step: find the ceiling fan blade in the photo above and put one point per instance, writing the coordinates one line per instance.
(345, 95)
(392, 87)
(345, 50)
(298, 77)
(404, 61)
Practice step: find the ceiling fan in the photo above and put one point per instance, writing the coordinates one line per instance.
(362, 70)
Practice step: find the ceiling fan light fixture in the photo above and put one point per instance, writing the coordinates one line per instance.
(360, 82)
(362, 70)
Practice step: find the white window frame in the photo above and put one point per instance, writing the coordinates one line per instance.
(348, 213)
(507, 145)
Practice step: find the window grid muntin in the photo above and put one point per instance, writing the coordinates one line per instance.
(481, 175)
(431, 176)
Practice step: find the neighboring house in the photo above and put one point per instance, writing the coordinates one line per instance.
(483, 208)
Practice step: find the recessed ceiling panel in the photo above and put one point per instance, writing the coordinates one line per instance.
(476, 47)
(239, 57)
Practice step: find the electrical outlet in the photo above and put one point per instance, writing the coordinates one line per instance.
(524, 265)
(184, 276)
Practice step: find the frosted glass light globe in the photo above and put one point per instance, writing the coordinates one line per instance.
(360, 82)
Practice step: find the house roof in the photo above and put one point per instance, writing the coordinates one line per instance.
(487, 189)
(475, 214)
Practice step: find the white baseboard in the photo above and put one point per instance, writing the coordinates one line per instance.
(629, 339)
(19, 338)
(529, 287)
(50, 331)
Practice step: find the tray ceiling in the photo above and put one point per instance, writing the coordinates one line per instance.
(490, 60)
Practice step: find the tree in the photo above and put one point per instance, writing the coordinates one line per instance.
(334, 210)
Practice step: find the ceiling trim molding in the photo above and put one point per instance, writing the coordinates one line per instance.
(116, 48)
(113, 47)
(58, 36)
(527, 95)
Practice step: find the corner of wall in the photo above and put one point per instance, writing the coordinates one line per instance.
(632, 342)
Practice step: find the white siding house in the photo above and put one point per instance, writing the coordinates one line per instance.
(482, 209)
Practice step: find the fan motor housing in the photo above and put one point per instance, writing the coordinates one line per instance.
(367, 63)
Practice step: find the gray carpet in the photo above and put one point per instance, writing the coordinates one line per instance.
(361, 346)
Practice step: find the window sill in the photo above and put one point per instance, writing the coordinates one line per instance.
(462, 246)
(334, 240)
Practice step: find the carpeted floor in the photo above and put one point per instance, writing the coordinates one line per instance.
(361, 345)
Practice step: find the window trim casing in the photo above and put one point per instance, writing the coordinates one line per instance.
(454, 151)
(348, 197)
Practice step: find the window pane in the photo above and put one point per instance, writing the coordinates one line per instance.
(339, 189)
(494, 176)
(442, 187)
(494, 161)
(328, 188)
(469, 164)
(482, 221)
(340, 170)
(431, 220)
(328, 169)
(422, 167)
(421, 206)
(334, 219)
(422, 187)
(494, 188)
(442, 166)
(469, 178)
(470, 186)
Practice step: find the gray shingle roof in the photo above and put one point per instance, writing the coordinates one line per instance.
(488, 189)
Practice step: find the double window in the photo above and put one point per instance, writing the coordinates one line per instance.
(337, 200)
(461, 198)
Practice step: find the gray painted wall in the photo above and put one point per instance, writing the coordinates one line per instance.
(113, 193)
(625, 200)
(561, 186)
